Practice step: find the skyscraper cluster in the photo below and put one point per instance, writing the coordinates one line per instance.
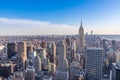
(72, 57)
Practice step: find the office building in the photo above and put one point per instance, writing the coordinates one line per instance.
(94, 63)
(30, 73)
(37, 63)
(73, 47)
(11, 49)
(115, 71)
(43, 44)
(114, 45)
(52, 52)
(81, 39)
(6, 69)
(68, 42)
(41, 52)
(75, 72)
(22, 50)
(32, 54)
(29, 49)
(62, 61)
(53, 68)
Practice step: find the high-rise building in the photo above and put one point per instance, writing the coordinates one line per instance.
(11, 49)
(37, 63)
(68, 42)
(60, 75)
(53, 68)
(42, 53)
(114, 45)
(18, 76)
(6, 69)
(29, 48)
(104, 45)
(43, 44)
(62, 61)
(75, 72)
(22, 50)
(52, 52)
(106, 69)
(46, 64)
(73, 46)
(115, 71)
(81, 38)
(94, 63)
(31, 55)
(30, 73)
(91, 32)
(117, 56)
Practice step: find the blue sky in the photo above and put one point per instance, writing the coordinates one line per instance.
(59, 16)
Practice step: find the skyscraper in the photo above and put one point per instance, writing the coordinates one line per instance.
(73, 46)
(62, 61)
(91, 32)
(29, 48)
(53, 68)
(81, 38)
(31, 55)
(42, 53)
(22, 50)
(37, 63)
(30, 73)
(52, 50)
(68, 42)
(94, 62)
(114, 45)
(11, 49)
(104, 45)
(43, 44)
(115, 71)
(6, 69)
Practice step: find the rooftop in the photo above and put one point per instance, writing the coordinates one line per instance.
(94, 48)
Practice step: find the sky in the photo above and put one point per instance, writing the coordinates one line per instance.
(47, 17)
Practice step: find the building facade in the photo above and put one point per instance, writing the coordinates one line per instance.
(94, 63)
(81, 39)
(11, 49)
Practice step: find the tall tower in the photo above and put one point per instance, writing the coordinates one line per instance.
(30, 73)
(29, 48)
(37, 63)
(94, 63)
(68, 42)
(22, 50)
(11, 49)
(114, 45)
(81, 38)
(62, 61)
(73, 46)
(52, 54)
(43, 44)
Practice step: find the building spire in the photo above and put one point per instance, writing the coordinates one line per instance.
(81, 23)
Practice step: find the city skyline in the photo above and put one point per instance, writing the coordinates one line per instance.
(59, 17)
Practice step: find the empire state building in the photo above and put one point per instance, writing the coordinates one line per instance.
(81, 39)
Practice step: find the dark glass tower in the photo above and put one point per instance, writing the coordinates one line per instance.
(11, 49)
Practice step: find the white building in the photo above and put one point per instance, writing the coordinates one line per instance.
(62, 61)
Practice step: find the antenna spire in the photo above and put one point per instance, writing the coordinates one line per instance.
(81, 22)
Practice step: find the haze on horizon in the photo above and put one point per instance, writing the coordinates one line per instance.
(46, 17)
